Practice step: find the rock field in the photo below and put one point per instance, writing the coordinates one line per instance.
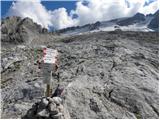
(105, 74)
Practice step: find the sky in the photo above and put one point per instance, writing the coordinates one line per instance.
(61, 14)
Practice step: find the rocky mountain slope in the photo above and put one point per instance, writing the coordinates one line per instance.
(138, 22)
(16, 30)
(105, 74)
(154, 24)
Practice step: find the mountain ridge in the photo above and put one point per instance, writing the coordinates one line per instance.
(120, 23)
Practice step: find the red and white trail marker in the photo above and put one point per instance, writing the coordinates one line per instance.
(49, 61)
(50, 55)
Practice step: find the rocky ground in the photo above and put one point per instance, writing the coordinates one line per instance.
(105, 74)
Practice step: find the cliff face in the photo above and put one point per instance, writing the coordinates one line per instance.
(154, 24)
(105, 74)
(135, 19)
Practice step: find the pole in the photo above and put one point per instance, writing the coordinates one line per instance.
(48, 90)
(35, 57)
(51, 83)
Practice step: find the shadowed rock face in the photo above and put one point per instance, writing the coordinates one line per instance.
(154, 24)
(135, 19)
(105, 74)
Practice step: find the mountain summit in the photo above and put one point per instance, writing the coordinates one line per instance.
(137, 18)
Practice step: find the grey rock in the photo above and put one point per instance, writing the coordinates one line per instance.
(52, 108)
(50, 99)
(44, 103)
(37, 85)
(43, 114)
(57, 100)
(57, 116)
(17, 31)
(154, 24)
(129, 21)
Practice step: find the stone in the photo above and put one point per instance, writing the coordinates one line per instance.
(54, 112)
(50, 99)
(36, 85)
(57, 100)
(52, 107)
(57, 116)
(60, 108)
(44, 113)
(44, 103)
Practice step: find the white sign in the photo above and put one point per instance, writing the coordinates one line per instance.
(50, 55)
(49, 59)
(50, 51)
(47, 68)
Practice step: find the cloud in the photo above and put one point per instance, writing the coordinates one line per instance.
(101, 10)
(151, 8)
(61, 19)
(87, 11)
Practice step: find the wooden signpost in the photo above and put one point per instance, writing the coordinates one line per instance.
(49, 62)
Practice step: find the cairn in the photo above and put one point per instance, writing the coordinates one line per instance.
(48, 108)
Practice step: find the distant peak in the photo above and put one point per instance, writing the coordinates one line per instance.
(157, 12)
(139, 14)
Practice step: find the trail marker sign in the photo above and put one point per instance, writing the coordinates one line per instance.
(50, 55)
(49, 61)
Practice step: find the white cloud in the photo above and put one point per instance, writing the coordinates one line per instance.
(100, 10)
(61, 19)
(151, 8)
(95, 10)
